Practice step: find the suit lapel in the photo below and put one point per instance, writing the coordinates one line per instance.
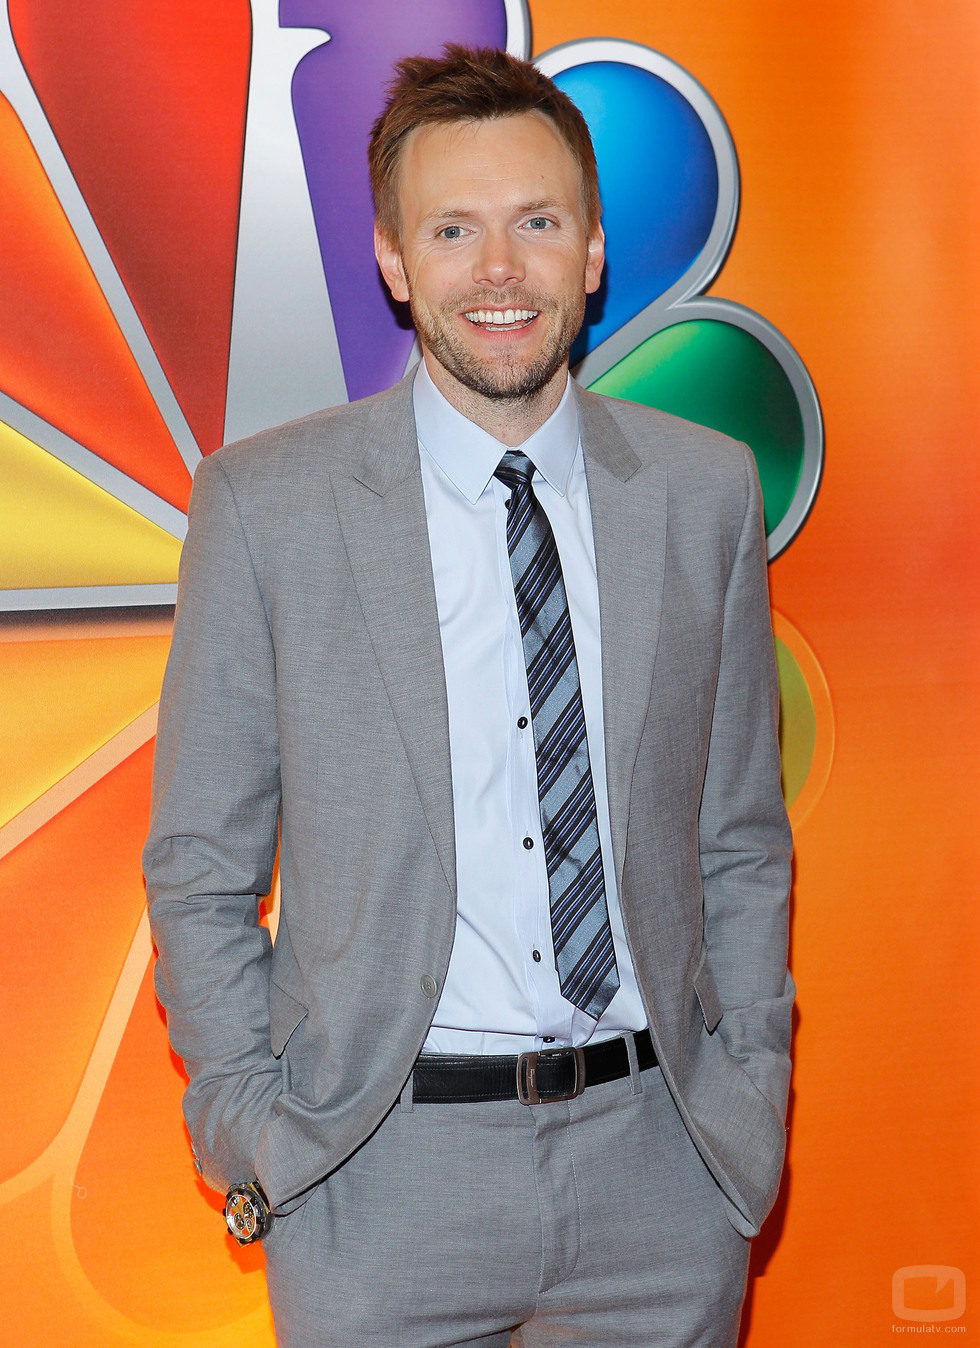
(629, 520)
(382, 518)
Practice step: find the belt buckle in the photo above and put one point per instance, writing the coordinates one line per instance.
(527, 1076)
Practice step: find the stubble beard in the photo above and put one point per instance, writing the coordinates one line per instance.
(508, 381)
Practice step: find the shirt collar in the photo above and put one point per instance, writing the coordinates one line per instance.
(468, 455)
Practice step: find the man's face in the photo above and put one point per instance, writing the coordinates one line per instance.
(495, 257)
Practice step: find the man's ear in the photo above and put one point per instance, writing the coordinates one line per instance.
(595, 260)
(389, 258)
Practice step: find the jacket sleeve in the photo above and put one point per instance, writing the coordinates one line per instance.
(213, 836)
(744, 834)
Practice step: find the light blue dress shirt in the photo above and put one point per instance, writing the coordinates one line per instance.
(501, 993)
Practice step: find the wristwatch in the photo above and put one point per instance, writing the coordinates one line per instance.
(247, 1212)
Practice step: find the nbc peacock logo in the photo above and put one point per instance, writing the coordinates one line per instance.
(186, 225)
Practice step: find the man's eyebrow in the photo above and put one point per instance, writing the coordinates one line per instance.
(448, 213)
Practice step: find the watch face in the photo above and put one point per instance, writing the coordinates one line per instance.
(241, 1215)
(246, 1212)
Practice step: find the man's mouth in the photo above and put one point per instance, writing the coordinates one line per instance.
(501, 318)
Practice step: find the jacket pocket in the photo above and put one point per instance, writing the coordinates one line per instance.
(707, 994)
(285, 1013)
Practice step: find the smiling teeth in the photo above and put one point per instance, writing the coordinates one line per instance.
(501, 318)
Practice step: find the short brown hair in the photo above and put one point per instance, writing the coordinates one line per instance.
(469, 84)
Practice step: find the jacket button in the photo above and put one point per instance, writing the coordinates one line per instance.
(428, 985)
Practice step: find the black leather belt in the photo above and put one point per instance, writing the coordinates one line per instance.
(533, 1078)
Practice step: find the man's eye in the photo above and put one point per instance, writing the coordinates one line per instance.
(538, 222)
(451, 232)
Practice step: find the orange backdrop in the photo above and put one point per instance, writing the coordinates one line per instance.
(856, 126)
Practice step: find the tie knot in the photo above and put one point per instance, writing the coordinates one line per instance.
(516, 470)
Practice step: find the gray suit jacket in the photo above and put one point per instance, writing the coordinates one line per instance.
(305, 688)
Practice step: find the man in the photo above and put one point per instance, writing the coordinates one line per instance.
(494, 654)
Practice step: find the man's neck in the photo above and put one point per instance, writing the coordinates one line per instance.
(509, 420)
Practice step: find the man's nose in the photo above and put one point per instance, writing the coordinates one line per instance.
(499, 261)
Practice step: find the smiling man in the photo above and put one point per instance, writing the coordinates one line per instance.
(492, 657)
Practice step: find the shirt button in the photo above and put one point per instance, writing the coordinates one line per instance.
(522, 722)
(536, 956)
(428, 985)
(548, 1038)
(529, 843)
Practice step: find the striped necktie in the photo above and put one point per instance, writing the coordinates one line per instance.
(584, 955)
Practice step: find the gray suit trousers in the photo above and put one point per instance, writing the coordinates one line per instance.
(592, 1221)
